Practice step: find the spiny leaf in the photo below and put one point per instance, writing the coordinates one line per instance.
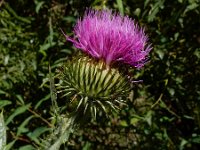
(2, 132)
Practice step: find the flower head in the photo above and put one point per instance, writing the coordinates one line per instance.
(94, 87)
(111, 37)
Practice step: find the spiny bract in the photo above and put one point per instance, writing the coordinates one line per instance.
(93, 84)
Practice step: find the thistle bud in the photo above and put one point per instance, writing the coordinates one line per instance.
(95, 86)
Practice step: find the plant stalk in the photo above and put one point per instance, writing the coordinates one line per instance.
(65, 131)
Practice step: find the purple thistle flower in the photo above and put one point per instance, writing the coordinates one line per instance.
(111, 37)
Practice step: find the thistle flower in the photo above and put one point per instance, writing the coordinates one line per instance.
(110, 37)
(92, 80)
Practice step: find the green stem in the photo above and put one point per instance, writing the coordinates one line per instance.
(65, 131)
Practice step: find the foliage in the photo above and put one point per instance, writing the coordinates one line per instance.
(163, 111)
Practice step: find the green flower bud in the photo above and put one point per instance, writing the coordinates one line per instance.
(95, 86)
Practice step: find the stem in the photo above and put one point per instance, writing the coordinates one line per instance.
(65, 131)
(39, 116)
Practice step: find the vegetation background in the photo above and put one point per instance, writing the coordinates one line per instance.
(163, 111)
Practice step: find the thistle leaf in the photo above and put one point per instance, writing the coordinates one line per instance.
(2, 132)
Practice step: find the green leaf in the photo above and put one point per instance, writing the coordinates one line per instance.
(3, 103)
(2, 92)
(146, 2)
(196, 139)
(148, 117)
(137, 12)
(11, 11)
(87, 146)
(51, 33)
(123, 123)
(18, 111)
(36, 133)
(197, 53)
(120, 7)
(10, 145)
(155, 9)
(160, 54)
(190, 7)
(27, 147)
(134, 121)
(47, 97)
(180, 1)
(69, 19)
(21, 128)
(39, 5)
(20, 98)
(182, 144)
(2, 132)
